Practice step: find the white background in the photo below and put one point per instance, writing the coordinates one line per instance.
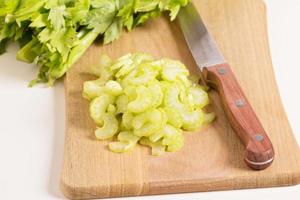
(32, 120)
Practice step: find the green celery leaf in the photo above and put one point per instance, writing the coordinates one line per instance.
(101, 17)
(174, 11)
(127, 9)
(39, 21)
(8, 6)
(56, 17)
(126, 13)
(107, 4)
(174, 6)
(77, 14)
(128, 23)
(113, 32)
(145, 5)
(55, 33)
(63, 40)
(28, 9)
(143, 17)
(45, 35)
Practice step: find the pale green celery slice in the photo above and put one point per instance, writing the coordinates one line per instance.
(164, 117)
(121, 103)
(113, 88)
(171, 137)
(126, 69)
(143, 77)
(173, 69)
(184, 80)
(142, 102)
(156, 147)
(139, 120)
(209, 117)
(120, 147)
(109, 128)
(130, 92)
(156, 136)
(98, 107)
(169, 133)
(137, 59)
(128, 136)
(127, 142)
(174, 117)
(165, 85)
(120, 62)
(92, 89)
(127, 118)
(106, 75)
(171, 98)
(187, 99)
(155, 65)
(157, 94)
(200, 97)
(102, 70)
(104, 64)
(147, 123)
(141, 57)
(176, 144)
(111, 109)
(192, 119)
(155, 122)
(125, 81)
(153, 115)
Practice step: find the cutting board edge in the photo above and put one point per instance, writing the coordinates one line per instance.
(170, 187)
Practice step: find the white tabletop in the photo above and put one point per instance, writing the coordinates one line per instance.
(32, 119)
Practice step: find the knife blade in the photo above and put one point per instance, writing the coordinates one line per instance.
(200, 42)
(216, 72)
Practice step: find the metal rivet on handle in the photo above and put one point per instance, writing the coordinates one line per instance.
(258, 137)
(239, 103)
(221, 70)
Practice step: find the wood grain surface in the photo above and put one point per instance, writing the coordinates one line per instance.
(212, 158)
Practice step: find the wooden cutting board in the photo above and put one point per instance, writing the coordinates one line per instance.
(212, 158)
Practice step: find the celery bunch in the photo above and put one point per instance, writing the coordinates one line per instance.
(55, 33)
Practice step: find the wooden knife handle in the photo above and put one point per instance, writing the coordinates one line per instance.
(259, 150)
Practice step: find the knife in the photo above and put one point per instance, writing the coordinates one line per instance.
(216, 72)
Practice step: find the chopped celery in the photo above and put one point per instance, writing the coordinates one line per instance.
(126, 142)
(156, 147)
(113, 88)
(98, 107)
(143, 100)
(92, 89)
(109, 128)
(174, 117)
(121, 103)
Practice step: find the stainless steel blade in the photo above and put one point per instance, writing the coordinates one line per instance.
(203, 47)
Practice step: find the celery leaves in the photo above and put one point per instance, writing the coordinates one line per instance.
(54, 34)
